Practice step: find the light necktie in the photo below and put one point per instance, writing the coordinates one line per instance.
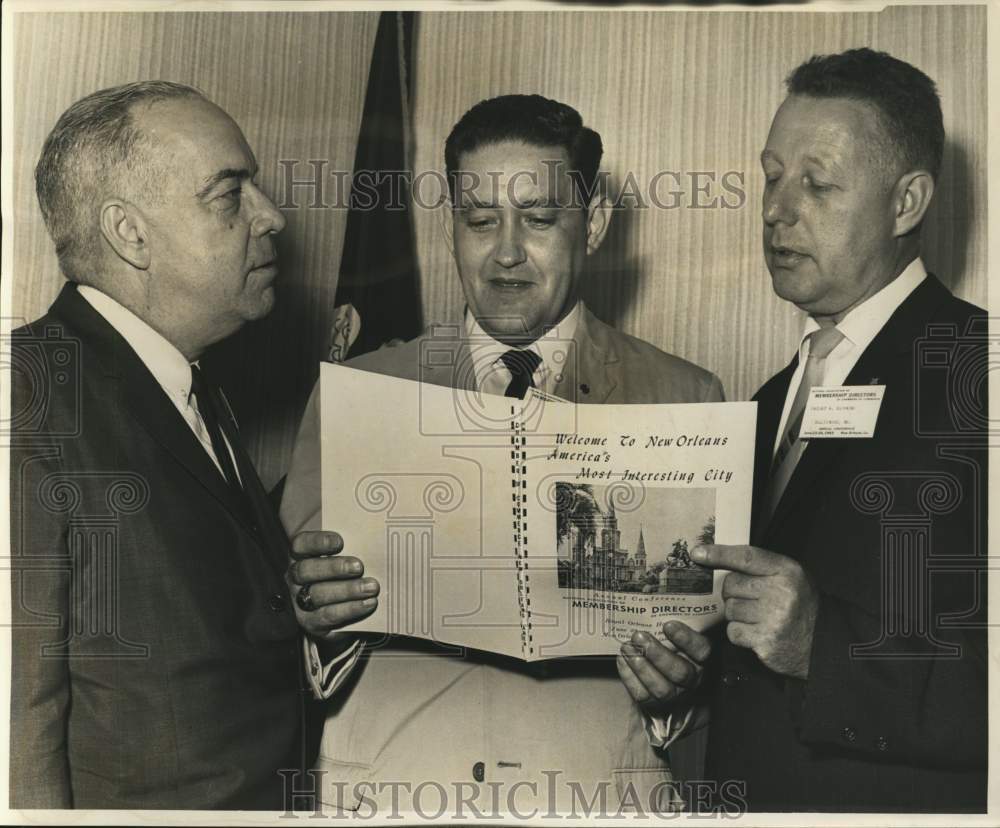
(522, 366)
(821, 344)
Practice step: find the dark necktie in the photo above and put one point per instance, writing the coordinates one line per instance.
(249, 494)
(522, 366)
(208, 407)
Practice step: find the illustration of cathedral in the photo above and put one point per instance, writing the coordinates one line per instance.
(600, 561)
(592, 557)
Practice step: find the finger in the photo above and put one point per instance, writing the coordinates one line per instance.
(636, 689)
(312, 570)
(337, 615)
(751, 560)
(312, 544)
(743, 610)
(658, 685)
(738, 585)
(324, 593)
(665, 664)
(740, 634)
(693, 644)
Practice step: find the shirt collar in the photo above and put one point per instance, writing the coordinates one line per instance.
(551, 346)
(168, 366)
(862, 324)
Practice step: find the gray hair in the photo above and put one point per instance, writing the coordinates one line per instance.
(94, 148)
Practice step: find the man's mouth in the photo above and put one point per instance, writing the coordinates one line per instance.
(784, 256)
(510, 284)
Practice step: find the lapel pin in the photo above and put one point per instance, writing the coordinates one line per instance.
(873, 381)
(584, 388)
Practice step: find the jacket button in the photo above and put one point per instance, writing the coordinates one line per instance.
(479, 771)
(849, 734)
(882, 743)
(276, 602)
(731, 678)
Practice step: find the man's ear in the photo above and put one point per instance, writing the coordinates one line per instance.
(598, 219)
(446, 218)
(912, 197)
(124, 228)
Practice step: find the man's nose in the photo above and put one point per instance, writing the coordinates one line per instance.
(267, 218)
(509, 251)
(780, 204)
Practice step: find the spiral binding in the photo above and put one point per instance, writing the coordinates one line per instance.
(519, 505)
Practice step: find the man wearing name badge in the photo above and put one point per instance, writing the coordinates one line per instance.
(155, 654)
(525, 216)
(851, 676)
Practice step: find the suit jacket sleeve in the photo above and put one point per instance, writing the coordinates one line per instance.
(301, 504)
(714, 391)
(40, 686)
(927, 711)
(327, 665)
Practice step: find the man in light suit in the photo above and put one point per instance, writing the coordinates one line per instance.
(525, 217)
(156, 654)
(853, 672)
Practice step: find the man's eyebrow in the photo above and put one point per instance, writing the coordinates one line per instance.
(815, 160)
(476, 204)
(527, 204)
(819, 162)
(222, 175)
(540, 203)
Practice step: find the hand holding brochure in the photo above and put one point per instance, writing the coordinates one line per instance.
(536, 528)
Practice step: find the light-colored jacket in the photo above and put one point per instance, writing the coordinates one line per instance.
(417, 714)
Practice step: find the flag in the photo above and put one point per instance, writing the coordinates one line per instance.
(377, 299)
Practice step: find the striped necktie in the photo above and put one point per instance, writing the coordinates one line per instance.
(204, 393)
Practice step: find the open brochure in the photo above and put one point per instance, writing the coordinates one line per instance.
(535, 528)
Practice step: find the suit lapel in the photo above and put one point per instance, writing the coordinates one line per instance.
(876, 364)
(449, 362)
(770, 400)
(465, 374)
(587, 376)
(142, 395)
(274, 539)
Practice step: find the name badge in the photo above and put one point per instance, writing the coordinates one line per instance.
(841, 411)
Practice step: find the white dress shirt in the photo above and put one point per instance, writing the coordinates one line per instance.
(552, 347)
(859, 327)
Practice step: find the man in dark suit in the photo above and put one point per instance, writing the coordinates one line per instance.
(852, 676)
(526, 215)
(156, 654)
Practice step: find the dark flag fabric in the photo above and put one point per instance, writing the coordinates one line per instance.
(377, 299)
